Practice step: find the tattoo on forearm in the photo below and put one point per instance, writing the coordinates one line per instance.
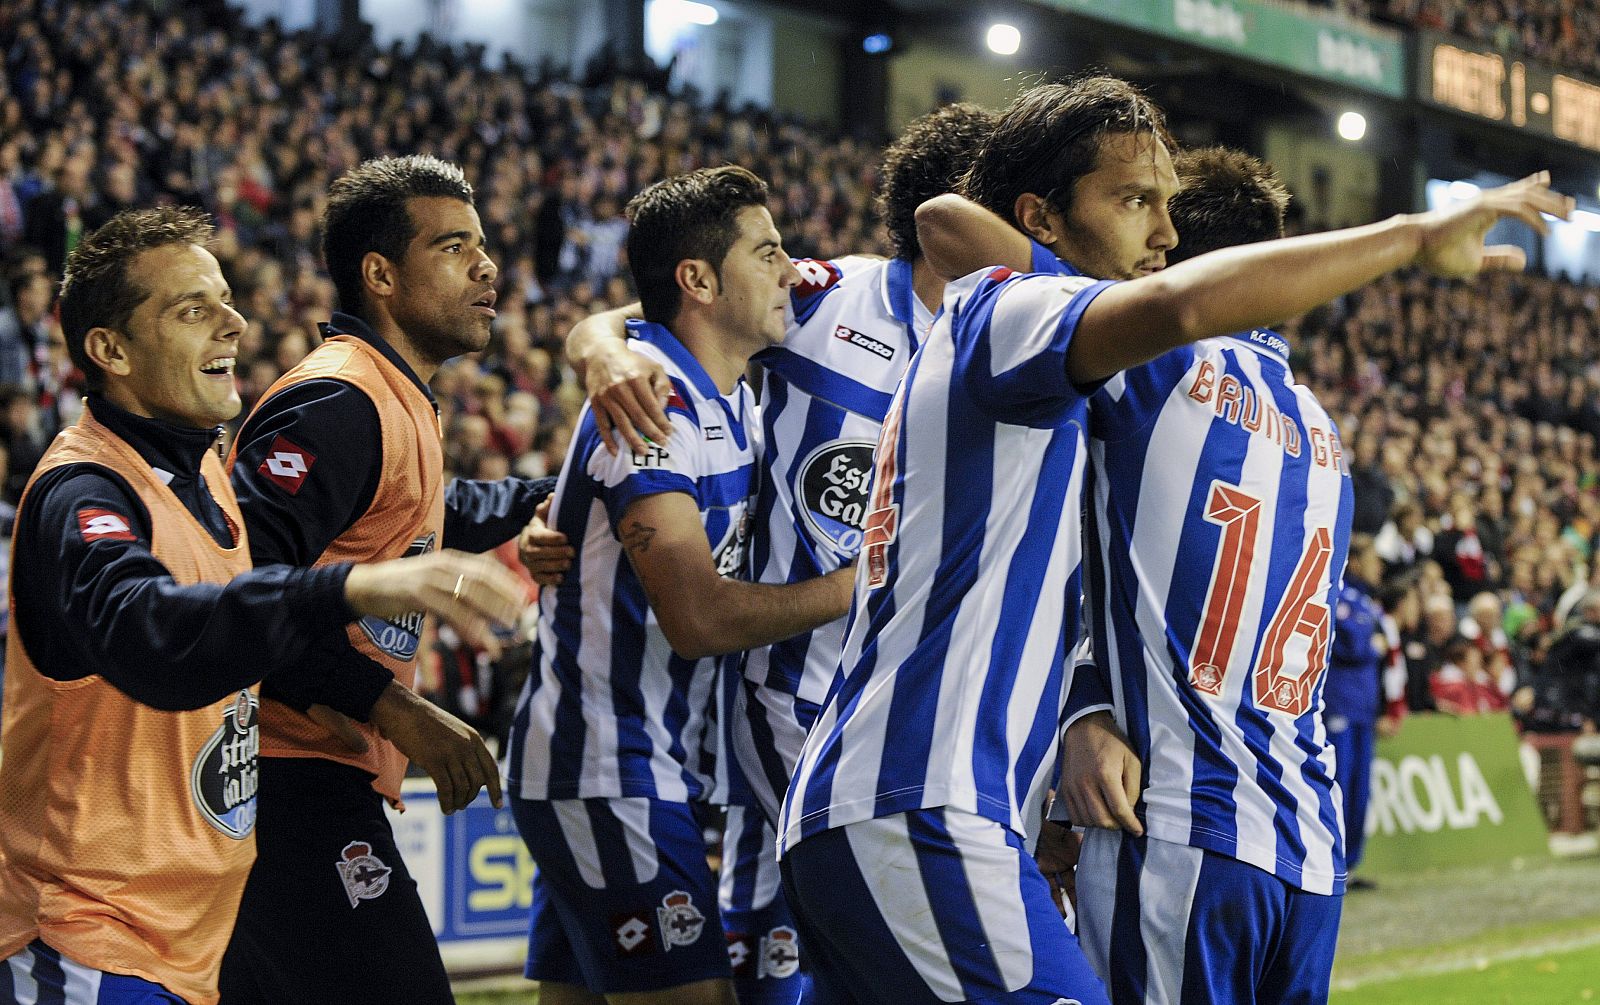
(636, 537)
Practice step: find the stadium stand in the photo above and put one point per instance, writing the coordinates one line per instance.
(1471, 412)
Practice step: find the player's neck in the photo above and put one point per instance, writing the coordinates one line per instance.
(927, 284)
(724, 356)
(421, 363)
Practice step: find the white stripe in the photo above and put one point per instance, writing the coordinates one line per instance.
(573, 819)
(994, 875)
(82, 983)
(27, 989)
(1167, 884)
(601, 559)
(634, 815)
(1027, 315)
(887, 862)
(1097, 896)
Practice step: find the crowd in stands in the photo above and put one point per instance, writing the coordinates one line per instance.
(1469, 413)
(1564, 34)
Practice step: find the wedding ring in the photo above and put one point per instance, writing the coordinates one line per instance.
(455, 594)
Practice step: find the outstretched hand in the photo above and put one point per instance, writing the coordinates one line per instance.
(470, 593)
(1452, 238)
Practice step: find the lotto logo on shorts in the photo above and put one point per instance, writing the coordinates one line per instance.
(633, 934)
(681, 922)
(739, 953)
(364, 875)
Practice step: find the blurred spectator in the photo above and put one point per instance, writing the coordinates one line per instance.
(23, 332)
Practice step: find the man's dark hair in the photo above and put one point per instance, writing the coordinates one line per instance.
(687, 216)
(927, 160)
(367, 212)
(1050, 137)
(97, 292)
(1228, 198)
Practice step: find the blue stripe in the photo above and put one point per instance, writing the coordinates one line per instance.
(775, 398)
(726, 488)
(49, 974)
(771, 774)
(1127, 972)
(1020, 595)
(611, 842)
(569, 734)
(955, 908)
(1288, 544)
(914, 703)
(897, 277)
(821, 382)
(634, 747)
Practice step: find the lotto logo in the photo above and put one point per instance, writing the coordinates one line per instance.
(104, 525)
(634, 935)
(287, 465)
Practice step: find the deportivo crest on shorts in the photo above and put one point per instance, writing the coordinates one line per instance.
(831, 487)
(780, 954)
(364, 875)
(681, 922)
(223, 780)
(400, 637)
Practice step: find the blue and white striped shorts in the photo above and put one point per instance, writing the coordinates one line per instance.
(931, 906)
(1169, 924)
(39, 975)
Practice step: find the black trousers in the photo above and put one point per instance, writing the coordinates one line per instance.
(330, 914)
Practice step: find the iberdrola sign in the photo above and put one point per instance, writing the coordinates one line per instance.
(1450, 791)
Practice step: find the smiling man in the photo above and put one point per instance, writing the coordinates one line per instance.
(607, 749)
(342, 461)
(128, 793)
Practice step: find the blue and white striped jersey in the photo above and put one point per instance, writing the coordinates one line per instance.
(825, 392)
(610, 710)
(1219, 518)
(967, 589)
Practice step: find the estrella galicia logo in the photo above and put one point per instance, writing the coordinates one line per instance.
(729, 553)
(831, 487)
(399, 638)
(223, 780)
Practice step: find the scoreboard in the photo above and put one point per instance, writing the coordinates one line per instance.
(1515, 93)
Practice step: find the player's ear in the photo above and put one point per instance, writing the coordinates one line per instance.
(1037, 218)
(105, 348)
(377, 274)
(697, 279)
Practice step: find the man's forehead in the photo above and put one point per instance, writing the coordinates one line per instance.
(1133, 160)
(756, 226)
(174, 267)
(434, 215)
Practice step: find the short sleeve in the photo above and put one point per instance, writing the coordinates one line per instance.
(673, 466)
(1011, 339)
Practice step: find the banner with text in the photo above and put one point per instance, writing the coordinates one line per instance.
(474, 875)
(1296, 38)
(1448, 792)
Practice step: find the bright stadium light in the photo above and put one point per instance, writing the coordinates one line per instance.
(875, 44)
(1004, 39)
(1352, 126)
(1461, 191)
(687, 12)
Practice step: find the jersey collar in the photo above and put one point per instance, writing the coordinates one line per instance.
(349, 324)
(1265, 340)
(678, 353)
(175, 450)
